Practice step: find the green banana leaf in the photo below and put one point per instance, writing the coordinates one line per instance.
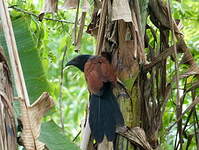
(53, 137)
(33, 71)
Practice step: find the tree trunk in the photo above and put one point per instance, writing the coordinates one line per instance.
(7, 121)
(121, 33)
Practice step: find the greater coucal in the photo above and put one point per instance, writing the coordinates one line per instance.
(105, 114)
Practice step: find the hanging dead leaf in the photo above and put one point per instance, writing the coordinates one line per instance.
(75, 28)
(85, 6)
(135, 135)
(98, 4)
(94, 25)
(80, 33)
(7, 121)
(50, 6)
(121, 10)
(70, 4)
(124, 59)
(101, 29)
(31, 119)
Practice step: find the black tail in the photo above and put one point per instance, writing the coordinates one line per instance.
(105, 115)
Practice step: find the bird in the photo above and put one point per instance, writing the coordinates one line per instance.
(104, 112)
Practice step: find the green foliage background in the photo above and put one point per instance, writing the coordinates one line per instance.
(41, 46)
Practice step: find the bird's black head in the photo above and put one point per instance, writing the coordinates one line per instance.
(79, 61)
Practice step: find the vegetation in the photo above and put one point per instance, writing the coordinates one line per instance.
(42, 45)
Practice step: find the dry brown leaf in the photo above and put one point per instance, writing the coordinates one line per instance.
(70, 4)
(80, 32)
(7, 121)
(124, 59)
(75, 28)
(125, 67)
(85, 6)
(135, 135)
(50, 6)
(101, 30)
(121, 10)
(138, 40)
(31, 119)
(98, 4)
(93, 26)
(7, 127)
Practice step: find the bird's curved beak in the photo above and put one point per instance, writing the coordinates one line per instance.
(78, 61)
(67, 65)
